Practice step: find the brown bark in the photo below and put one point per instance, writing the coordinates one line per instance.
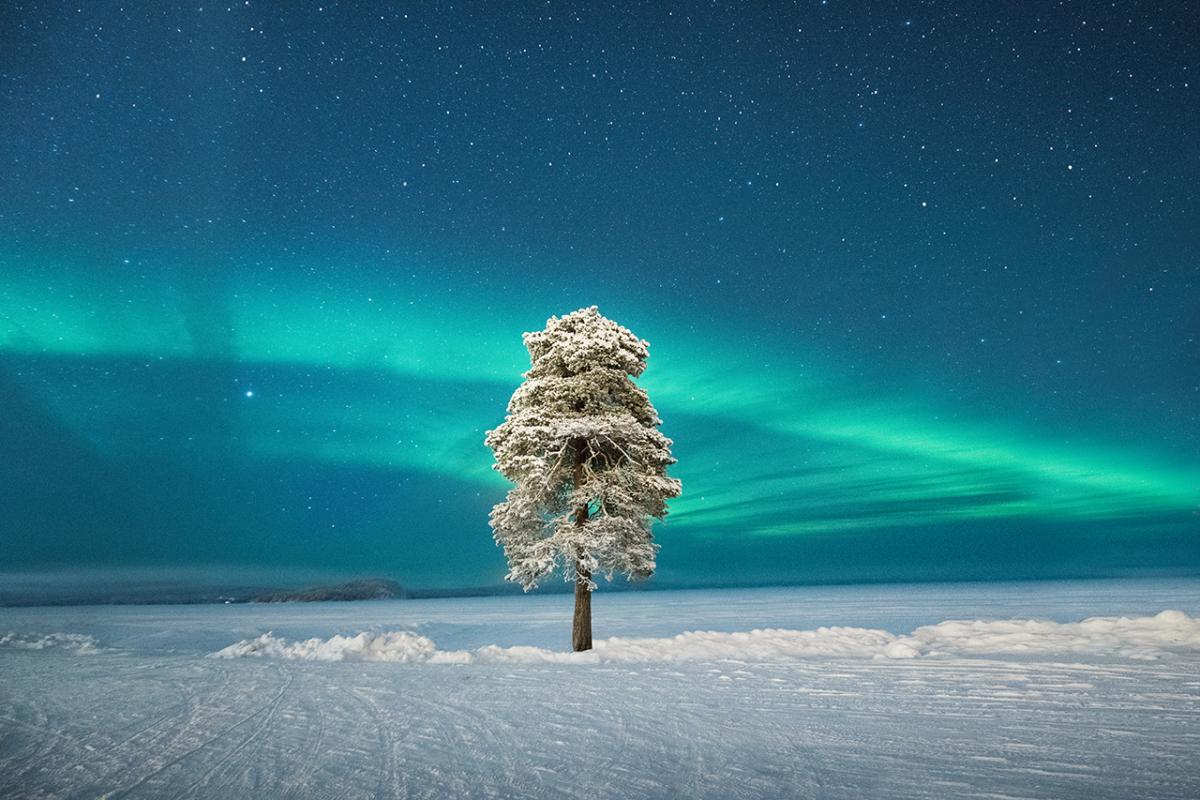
(581, 628)
(581, 624)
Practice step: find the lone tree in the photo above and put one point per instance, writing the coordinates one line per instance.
(581, 443)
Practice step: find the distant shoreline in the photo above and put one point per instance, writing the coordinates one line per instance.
(386, 589)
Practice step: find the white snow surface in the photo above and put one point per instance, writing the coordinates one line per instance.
(1046, 690)
(1137, 637)
(79, 643)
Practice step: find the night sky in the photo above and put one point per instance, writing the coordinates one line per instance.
(921, 281)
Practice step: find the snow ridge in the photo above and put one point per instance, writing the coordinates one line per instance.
(78, 642)
(1141, 638)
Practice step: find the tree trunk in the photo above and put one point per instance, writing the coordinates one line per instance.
(581, 630)
(581, 626)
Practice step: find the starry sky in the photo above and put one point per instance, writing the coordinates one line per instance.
(920, 281)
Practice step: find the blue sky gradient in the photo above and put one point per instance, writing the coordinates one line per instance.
(919, 283)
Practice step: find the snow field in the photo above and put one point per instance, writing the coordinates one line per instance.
(1015, 691)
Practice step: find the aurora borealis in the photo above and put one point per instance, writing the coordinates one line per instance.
(920, 281)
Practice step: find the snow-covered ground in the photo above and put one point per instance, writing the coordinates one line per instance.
(818, 692)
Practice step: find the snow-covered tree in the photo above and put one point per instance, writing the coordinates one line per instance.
(581, 443)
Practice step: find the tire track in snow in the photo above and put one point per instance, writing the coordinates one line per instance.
(468, 720)
(42, 748)
(247, 747)
(311, 760)
(190, 705)
(180, 757)
(161, 733)
(391, 782)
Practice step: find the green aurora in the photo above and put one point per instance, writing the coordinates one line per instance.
(772, 446)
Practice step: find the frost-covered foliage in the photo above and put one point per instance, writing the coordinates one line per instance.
(581, 443)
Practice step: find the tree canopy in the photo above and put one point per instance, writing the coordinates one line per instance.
(582, 446)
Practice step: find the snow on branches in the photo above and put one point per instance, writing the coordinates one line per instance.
(581, 443)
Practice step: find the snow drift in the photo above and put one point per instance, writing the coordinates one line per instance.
(1137, 638)
(78, 642)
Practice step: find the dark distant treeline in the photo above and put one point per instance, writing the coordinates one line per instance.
(385, 589)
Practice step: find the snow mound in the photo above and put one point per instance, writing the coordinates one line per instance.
(393, 646)
(1131, 637)
(78, 642)
(1127, 637)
